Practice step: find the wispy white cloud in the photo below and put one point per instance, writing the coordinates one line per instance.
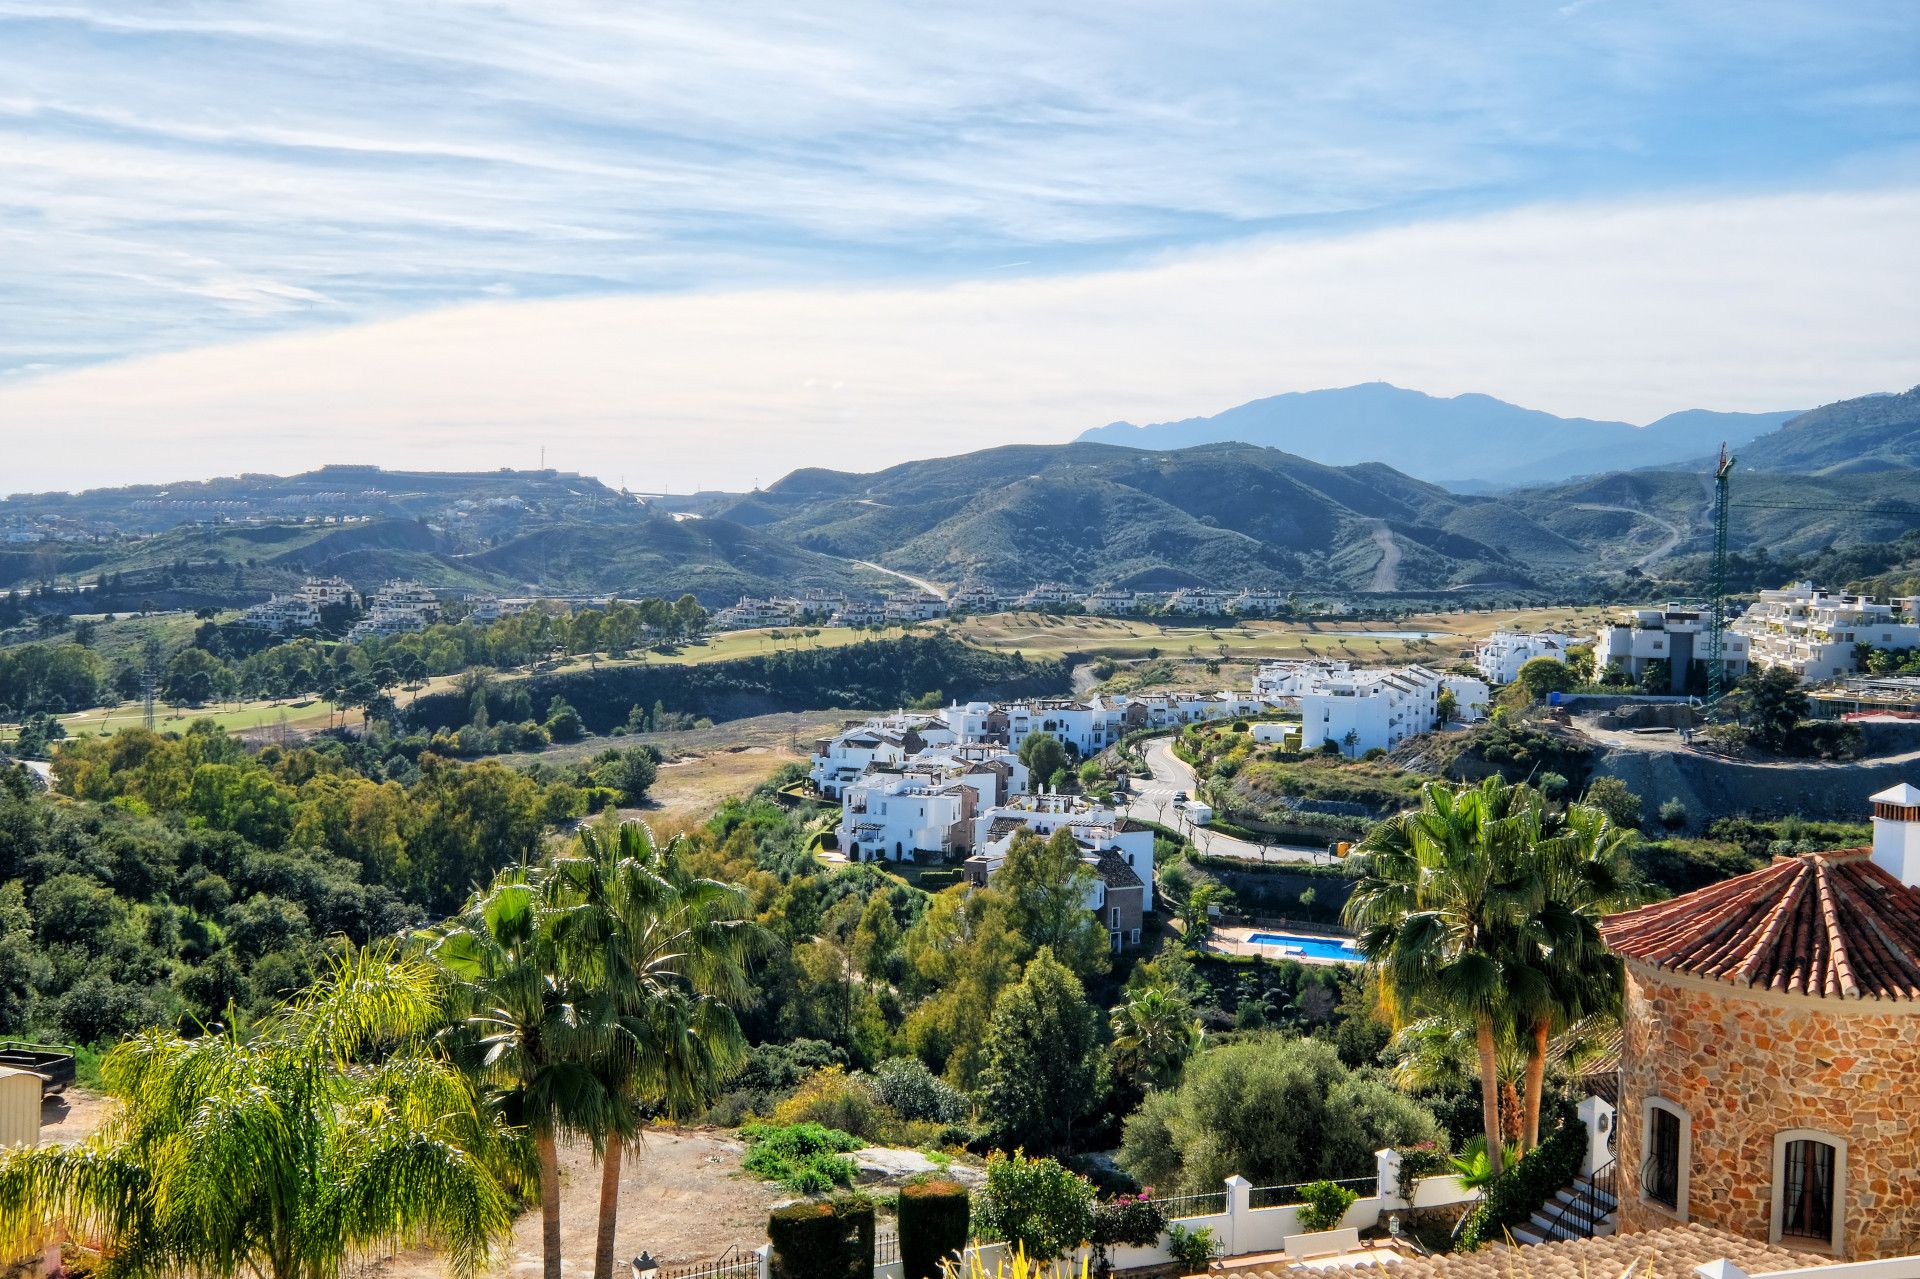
(366, 159)
(1618, 310)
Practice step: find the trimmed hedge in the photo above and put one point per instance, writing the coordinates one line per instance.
(1518, 1192)
(933, 1218)
(933, 881)
(825, 1239)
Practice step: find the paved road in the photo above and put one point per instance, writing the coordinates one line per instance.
(1152, 800)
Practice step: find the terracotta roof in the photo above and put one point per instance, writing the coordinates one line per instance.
(1115, 869)
(1830, 925)
(1671, 1253)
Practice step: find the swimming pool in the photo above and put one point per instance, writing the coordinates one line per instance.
(1311, 947)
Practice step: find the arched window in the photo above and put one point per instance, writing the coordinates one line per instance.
(1666, 1139)
(1809, 1188)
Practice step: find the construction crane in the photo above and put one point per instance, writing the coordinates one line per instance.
(1716, 632)
(1717, 622)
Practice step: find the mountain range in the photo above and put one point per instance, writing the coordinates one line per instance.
(1224, 514)
(1469, 443)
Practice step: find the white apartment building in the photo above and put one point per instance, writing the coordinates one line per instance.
(1111, 601)
(1813, 634)
(1041, 815)
(1378, 708)
(861, 613)
(915, 606)
(281, 615)
(395, 609)
(324, 591)
(1282, 680)
(1198, 601)
(928, 807)
(752, 612)
(1500, 656)
(975, 597)
(886, 741)
(1049, 593)
(1675, 635)
(1258, 603)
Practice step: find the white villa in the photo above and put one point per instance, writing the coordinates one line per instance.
(1120, 852)
(915, 606)
(1813, 634)
(929, 805)
(396, 608)
(1378, 708)
(300, 611)
(1500, 656)
(1675, 635)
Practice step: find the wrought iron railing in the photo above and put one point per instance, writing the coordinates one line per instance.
(1178, 1207)
(1593, 1199)
(735, 1263)
(1282, 1196)
(886, 1247)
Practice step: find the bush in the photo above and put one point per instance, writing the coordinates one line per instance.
(1192, 1249)
(1673, 813)
(933, 881)
(934, 1217)
(829, 1240)
(805, 1158)
(1035, 1204)
(1323, 1205)
(1519, 1191)
(834, 1099)
(1135, 1220)
(905, 1084)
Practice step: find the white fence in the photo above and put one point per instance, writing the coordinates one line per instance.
(1238, 1228)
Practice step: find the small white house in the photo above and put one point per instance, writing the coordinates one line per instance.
(1500, 656)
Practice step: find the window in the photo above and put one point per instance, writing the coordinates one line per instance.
(1809, 1188)
(1666, 1134)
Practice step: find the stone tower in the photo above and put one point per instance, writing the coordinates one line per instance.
(1770, 1063)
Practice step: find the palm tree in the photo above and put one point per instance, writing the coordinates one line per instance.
(520, 1031)
(1578, 870)
(1438, 906)
(280, 1150)
(662, 955)
(1154, 1033)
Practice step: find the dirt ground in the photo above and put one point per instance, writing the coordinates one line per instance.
(72, 1117)
(683, 1198)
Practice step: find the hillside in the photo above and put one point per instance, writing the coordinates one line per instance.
(1468, 442)
(1221, 514)
(1870, 434)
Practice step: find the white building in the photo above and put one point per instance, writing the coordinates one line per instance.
(752, 613)
(1677, 636)
(1378, 708)
(1199, 601)
(324, 591)
(1049, 593)
(1814, 634)
(915, 606)
(1119, 851)
(1259, 603)
(976, 597)
(887, 741)
(1283, 680)
(395, 609)
(1500, 656)
(281, 615)
(927, 807)
(1111, 601)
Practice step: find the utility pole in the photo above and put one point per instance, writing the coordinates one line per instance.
(149, 678)
(1716, 634)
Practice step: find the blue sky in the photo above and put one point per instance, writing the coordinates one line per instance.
(192, 177)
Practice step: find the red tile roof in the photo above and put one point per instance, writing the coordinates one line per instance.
(1830, 925)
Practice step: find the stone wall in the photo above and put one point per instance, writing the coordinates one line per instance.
(1746, 1066)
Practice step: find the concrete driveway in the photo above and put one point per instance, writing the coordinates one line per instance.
(1152, 799)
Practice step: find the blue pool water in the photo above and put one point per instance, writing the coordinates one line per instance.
(1314, 947)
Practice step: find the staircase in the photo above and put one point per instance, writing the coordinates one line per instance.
(1580, 1211)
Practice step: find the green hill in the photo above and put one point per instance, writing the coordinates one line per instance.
(1871, 434)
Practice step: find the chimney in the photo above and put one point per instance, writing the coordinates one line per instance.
(1896, 833)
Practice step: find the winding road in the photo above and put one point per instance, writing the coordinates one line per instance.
(1152, 801)
(1674, 532)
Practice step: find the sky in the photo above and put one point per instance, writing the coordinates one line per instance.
(697, 245)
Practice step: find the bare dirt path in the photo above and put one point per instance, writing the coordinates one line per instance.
(1674, 532)
(683, 1198)
(909, 578)
(1386, 574)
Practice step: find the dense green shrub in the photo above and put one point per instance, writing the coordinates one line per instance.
(910, 1088)
(832, 1239)
(1518, 1192)
(934, 1217)
(1035, 1204)
(805, 1158)
(1191, 1249)
(1323, 1204)
(933, 881)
